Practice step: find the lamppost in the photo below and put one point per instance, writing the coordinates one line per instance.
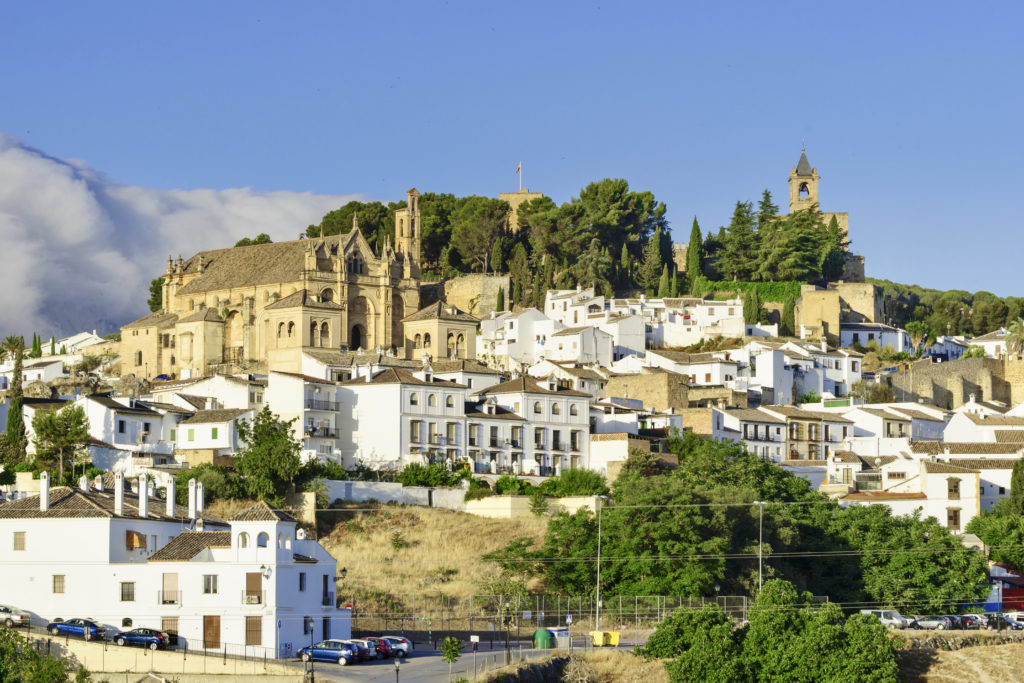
(396, 669)
(506, 621)
(309, 625)
(760, 540)
(597, 606)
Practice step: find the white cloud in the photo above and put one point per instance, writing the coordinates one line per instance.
(78, 250)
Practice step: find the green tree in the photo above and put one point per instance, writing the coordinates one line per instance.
(694, 252)
(15, 439)
(625, 267)
(594, 267)
(1014, 337)
(53, 346)
(519, 272)
(974, 352)
(1002, 530)
(651, 266)
(873, 392)
(738, 260)
(477, 223)
(787, 323)
(575, 482)
(21, 662)
(270, 458)
(918, 332)
(451, 650)
(664, 287)
(415, 474)
(499, 305)
(767, 213)
(60, 437)
(156, 294)
(1015, 503)
(498, 256)
(376, 221)
(262, 238)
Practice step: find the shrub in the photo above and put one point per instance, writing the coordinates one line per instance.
(428, 475)
(508, 485)
(576, 482)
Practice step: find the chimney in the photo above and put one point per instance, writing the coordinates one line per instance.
(824, 346)
(170, 497)
(721, 404)
(200, 496)
(98, 482)
(83, 483)
(211, 404)
(191, 498)
(119, 494)
(44, 491)
(200, 525)
(143, 495)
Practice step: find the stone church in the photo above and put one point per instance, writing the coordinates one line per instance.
(249, 308)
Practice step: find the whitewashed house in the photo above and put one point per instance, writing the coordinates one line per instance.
(884, 335)
(711, 368)
(946, 348)
(763, 434)
(313, 404)
(982, 426)
(210, 435)
(821, 369)
(513, 341)
(571, 376)
(994, 343)
(240, 587)
(585, 345)
(573, 307)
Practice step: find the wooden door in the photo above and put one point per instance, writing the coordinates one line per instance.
(211, 632)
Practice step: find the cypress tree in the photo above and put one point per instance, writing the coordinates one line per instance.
(787, 325)
(53, 346)
(674, 287)
(500, 305)
(625, 279)
(694, 252)
(650, 269)
(15, 438)
(663, 283)
(1016, 501)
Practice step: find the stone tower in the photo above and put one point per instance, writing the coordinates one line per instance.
(803, 185)
(407, 235)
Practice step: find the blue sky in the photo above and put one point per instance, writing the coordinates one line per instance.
(910, 111)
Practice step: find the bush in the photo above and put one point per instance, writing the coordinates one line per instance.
(508, 485)
(428, 475)
(575, 482)
(477, 491)
(218, 482)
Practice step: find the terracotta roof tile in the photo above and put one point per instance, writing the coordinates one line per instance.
(262, 512)
(188, 544)
(441, 311)
(965, 448)
(214, 416)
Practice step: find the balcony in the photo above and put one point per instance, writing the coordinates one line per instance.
(168, 597)
(494, 442)
(516, 443)
(327, 600)
(318, 404)
(321, 433)
(254, 597)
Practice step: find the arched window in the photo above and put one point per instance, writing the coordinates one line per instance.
(573, 410)
(126, 623)
(280, 330)
(325, 334)
(414, 399)
(460, 346)
(450, 401)
(326, 295)
(417, 341)
(537, 408)
(262, 540)
(287, 541)
(243, 540)
(280, 540)
(291, 330)
(432, 400)
(426, 340)
(451, 344)
(314, 334)
(556, 409)
(266, 297)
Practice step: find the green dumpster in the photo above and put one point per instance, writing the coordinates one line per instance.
(542, 639)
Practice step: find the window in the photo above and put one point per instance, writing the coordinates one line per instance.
(953, 519)
(138, 357)
(302, 582)
(306, 623)
(450, 402)
(145, 427)
(897, 475)
(1002, 491)
(209, 584)
(953, 488)
(191, 435)
(494, 437)
(432, 432)
(262, 539)
(19, 540)
(121, 427)
(243, 540)
(556, 409)
(574, 410)
(707, 377)
(127, 591)
(414, 431)
(450, 432)
(213, 433)
(473, 434)
(537, 409)
(538, 437)
(133, 540)
(254, 630)
(174, 434)
(426, 341)
(58, 583)
(414, 399)
(432, 400)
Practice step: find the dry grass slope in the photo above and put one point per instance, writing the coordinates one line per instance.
(400, 557)
(984, 664)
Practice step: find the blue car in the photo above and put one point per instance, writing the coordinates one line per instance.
(83, 628)
(146, 637)
(329, 651)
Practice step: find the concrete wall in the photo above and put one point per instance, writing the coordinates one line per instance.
(390, 492)
(477, 294)
(510, 507)
(949, 385)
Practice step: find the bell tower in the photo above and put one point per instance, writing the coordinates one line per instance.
(407, 235)
(803, 185)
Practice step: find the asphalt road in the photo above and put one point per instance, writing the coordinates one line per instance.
(420, 667)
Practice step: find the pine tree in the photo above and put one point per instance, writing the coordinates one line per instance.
(663, 283)
(650, 268)
(694, 252)
(787, 325)
(738, 260)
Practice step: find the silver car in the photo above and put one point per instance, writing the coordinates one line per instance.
(12, 616)
(889, 618)
(933, 622)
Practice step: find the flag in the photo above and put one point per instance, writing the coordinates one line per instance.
(519, 167)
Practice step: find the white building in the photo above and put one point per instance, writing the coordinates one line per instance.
(313, 404)
(683, 321)
(994, 343)
(240, 587)
(763, 434)
(821, 369)
(32, 370)
(983, 426)
(586, 345)
(884, 335)
(710, 368)
(946, 348)
(212, 431)
(571, 376)
(514, 341)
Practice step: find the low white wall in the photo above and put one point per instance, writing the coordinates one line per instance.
(390, 492)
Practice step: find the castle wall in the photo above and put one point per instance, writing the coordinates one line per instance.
(477, 294)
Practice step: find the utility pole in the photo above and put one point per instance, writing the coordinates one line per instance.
(760, 541)
(597, 613)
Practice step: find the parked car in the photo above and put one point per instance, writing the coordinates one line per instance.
(370, 646)
(1016, 616)
(383, 646)
(146, 637)
(933, 622)
(85, 628)
(12, 616)
(330, 651)
(401, 646)
(956, 620)
(363, 652)
(977, 621)
(1003, 622)
(890, 618)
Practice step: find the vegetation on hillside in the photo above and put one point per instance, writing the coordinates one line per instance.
(19, 661)
(949, 312)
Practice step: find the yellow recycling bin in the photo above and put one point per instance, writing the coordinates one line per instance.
(611, 638)
(597, 638)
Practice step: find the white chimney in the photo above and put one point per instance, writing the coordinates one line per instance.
(824, 346)
(191, 498)
(211, 404)
(200, 498)
(83, 483)
(119, 494)
(170, 497)
(44, 491)
(97, 483)
(143, 495)
(200, 525)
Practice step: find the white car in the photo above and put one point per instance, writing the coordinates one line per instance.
(890, 618)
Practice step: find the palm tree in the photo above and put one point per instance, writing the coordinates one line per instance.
(1015, 337)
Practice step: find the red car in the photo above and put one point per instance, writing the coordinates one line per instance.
(383, 646)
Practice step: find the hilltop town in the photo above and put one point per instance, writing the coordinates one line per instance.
(510, 358)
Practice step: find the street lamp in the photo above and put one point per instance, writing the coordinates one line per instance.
(396, 669)
(309, 625)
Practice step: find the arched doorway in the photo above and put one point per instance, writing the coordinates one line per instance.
(358, 337)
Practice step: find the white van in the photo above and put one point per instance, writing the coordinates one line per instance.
(890, 618)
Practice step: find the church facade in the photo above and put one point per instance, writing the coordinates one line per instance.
(260, 306)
